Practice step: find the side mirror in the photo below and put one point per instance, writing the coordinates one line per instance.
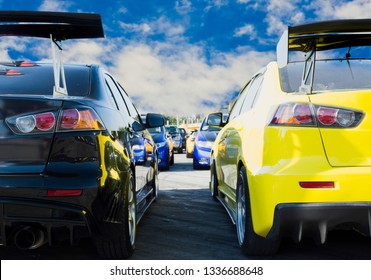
(216, 120)
(137, 126)
(154, 120)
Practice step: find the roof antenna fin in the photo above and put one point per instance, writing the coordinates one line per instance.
(59, 90)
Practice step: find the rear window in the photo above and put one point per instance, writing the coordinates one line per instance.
(39, 80)
(340, 70)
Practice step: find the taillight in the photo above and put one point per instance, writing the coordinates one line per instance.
(79, 119)
(294, 114)
(306, 114)
(82, 118)
(43, 122)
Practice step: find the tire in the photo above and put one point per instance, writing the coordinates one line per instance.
(119, 243)
(195, 166)
(189, 155)
(155, 182)
(249, 241)
(180, 151)
(213, 181)
(172, 158)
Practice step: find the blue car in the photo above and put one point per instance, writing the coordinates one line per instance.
(164, 147)
(204, 141)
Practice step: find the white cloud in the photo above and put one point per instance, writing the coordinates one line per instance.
(55, 5)
(335, 9)
(161, 25)
(181, 82)
(183, 6)
(246, 30)
(137, 28)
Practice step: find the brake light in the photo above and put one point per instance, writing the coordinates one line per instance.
(327, 116)
(80, 119)
(306, 114)
(83, 118)
(70, 118)
(45, 121)
(42, 122)
(295, 114)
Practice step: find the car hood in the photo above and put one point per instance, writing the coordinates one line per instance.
(206, 136)
(158, 138)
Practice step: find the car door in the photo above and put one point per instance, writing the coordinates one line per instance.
(232, 140)
(128, 121)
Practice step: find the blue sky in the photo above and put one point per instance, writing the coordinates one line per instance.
(181, 56)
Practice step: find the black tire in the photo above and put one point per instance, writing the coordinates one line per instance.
(195, 166)
(250, 242)
(172, 158)
(213, 181)
(180, 151)
(155, 183)
(119, 240)
(189, 155)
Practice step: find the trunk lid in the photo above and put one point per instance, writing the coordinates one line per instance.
(347, 146)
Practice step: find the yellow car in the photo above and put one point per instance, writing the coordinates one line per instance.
(294, 158)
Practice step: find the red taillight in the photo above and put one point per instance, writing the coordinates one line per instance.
(327, 116)
(64, 192)
(45, 121)
(80, 119)
(70, 119)
(294, 114)
(317, 185)
(302, 114)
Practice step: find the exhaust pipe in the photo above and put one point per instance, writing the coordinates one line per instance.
(29, 238)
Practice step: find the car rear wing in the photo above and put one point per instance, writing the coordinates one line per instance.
(319, 36)
(58, 26)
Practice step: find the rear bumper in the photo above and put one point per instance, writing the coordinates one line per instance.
(59, 221)
(314, 220)
(281, 207)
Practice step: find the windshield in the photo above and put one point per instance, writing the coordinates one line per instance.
(154, 130)
(205, 127)
(342, 70)
(172, 129)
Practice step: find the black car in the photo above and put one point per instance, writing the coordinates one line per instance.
(67, 169)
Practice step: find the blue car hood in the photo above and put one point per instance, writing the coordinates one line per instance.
(206, 135)
(157, 138)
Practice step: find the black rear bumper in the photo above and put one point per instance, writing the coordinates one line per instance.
(59, 221)
(315, 220)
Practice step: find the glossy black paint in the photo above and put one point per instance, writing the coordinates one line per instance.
(98, 162)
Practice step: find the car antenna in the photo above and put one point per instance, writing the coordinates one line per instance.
(59, 90)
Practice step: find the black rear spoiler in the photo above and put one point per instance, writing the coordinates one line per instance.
(57, 26)
(61, 25)
(323, 35)
(320, 36)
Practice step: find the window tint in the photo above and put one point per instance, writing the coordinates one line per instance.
(77, 80)
(132, 110)
(117, 95)
(252, 93)
(239, 102)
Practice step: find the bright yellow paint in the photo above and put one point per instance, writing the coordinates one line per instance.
(277, 158)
